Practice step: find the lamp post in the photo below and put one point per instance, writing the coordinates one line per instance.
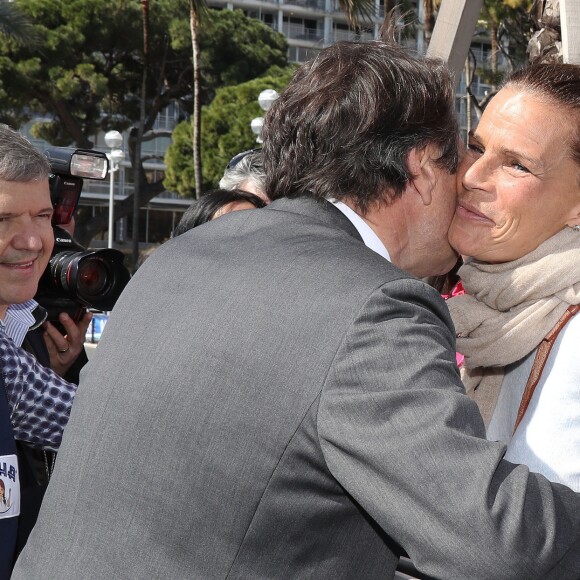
(114, 140)
(265, 99)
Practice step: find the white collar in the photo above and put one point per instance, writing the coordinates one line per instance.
(370, 239)
(18, 320)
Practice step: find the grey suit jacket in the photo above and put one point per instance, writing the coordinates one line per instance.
(272, 399)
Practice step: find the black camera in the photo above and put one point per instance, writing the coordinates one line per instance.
(77, 278)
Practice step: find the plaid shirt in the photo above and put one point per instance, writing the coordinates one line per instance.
(38, 399)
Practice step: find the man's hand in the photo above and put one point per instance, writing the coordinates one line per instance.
(64, 350)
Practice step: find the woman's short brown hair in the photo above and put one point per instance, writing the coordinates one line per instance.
(559, 85)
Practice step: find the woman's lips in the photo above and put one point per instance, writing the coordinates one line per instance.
(468, 212)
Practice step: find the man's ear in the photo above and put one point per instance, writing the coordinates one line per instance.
(423, 176)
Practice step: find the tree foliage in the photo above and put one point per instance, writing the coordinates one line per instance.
(15, 24)
(510, 23)
(234, 49)
(87, 76)
(225, 131)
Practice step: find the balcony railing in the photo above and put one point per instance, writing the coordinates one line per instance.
(298, 32)
(314, 4)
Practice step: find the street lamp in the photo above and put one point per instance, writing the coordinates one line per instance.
(114, 140)
(265, 99)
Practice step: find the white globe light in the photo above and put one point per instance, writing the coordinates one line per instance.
(257, 125)
(116, 156)
(266, 98)
(113, 139)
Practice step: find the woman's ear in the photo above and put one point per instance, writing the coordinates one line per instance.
(574, 215)
(574, 222)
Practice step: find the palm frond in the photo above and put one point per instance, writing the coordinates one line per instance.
(200, 8)
(357, 10)
(15, 24)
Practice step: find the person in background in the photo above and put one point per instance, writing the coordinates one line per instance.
(26, 243)
(214, 204)
(34, 409)
(518, 220)
(246, 171)
(295, 410)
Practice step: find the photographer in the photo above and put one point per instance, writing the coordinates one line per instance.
(33, 412)
(67, 358)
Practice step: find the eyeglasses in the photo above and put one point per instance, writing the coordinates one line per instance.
(237, 158)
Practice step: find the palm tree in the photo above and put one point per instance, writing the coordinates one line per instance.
(358, 10)
(353, 9)
(429, 7)
(197, 10)
(139, 138)
(495, 12)
(16, 25)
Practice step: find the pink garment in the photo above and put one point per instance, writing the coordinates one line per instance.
(457, 290)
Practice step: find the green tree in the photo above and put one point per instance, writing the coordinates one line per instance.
(71, 81)
(429, 10)
(510, 23)
(498, 15)
(225, 131)
(233, 49)
(88, 78)
(197, 10)
(15, 24)
(247, 49)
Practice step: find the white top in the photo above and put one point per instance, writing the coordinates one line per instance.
(548, 438)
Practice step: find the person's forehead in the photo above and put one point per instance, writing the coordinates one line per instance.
(24, 194)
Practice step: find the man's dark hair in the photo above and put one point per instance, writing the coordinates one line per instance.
(349, 118)
(204, 209)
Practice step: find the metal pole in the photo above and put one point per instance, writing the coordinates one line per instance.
(111, 204)
(453, 33)
(570, 21)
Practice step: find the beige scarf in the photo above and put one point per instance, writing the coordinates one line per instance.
(509, 308)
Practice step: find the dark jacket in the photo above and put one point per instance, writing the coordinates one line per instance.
(9, 474)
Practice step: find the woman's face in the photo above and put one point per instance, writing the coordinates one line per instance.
(518, 184)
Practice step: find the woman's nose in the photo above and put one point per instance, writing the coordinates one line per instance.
(476, 172)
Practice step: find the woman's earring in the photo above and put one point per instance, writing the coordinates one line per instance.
(576, 228)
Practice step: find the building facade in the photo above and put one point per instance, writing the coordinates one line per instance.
(308, 25)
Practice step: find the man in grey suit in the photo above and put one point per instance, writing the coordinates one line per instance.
(276, 394)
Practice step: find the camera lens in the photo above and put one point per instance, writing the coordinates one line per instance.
(92, 277)
(76, 278)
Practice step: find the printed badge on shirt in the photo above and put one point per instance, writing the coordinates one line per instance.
(9, 487)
